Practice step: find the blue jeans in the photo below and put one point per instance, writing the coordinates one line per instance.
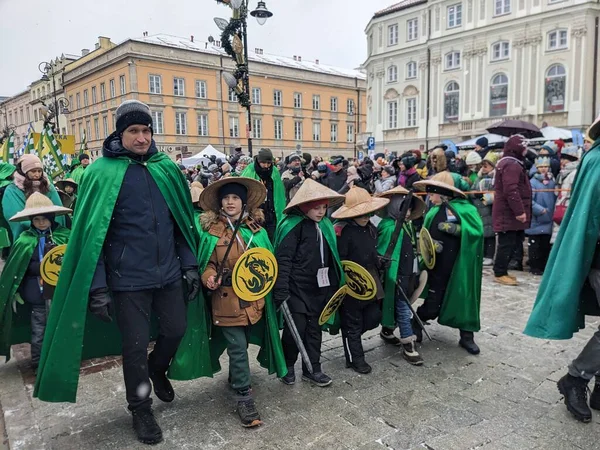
(403, 316)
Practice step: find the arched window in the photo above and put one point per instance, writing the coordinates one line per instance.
(392, 74)
(555, 90)
(411, 70)
(498, 95)
(451, 101)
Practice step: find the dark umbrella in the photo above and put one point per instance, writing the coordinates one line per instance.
(511, 127)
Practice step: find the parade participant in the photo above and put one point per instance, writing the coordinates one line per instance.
(455, 282)
(21, 276)
(27, 179)
(570, 287)
(196, 190)
(67, 191)
(236, 322)
(402, 267)
(310, 273)
(263, 170)
(357, 242)
(133, 239)
(293, 177)
(77, 173)
(6, 178)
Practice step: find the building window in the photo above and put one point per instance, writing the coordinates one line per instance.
(29, 115)
(298, 130)
(71, 101)
(557, 39)
(555, 90)
(78, 100)
(157, 122)
(35, 115)
(179, 87)
(334, 132)
(155, 84)
(498, 95)
(97, 128)
(105, 126)
(234, 127)
(392, 74)
(452, 60)
(451, 102)
(316, 131)
(454, 14)
(94, 97)
(500, 51)
(411, 70)
(257, 128)
(316, 102)
(256, 97)
(122, 84)
(350, 107)
(392, 115)
(411, 112)
(113, 92)
(502, 7)
(297, 100)
(278, 129)
(180, 123)
(393, 34)
(277, 98)
(412, 29)
(21, 115)
(202, 124)
(232, 96)
(334, 104)
(350, 133)
(200, 90)
(88, 130)
(86, 99)
(102, 92)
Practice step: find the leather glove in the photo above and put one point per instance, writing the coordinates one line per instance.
(439, 247)
(383, 263)
(192, 278)
(450, 228)
(99, 305)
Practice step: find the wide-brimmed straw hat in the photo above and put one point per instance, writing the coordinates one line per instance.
(196, 191)
(62, 183)
(39, 205)
(359, 203)
(593, 131)
(419, 207)
(311, 191)
(257, 193)
(437, 186)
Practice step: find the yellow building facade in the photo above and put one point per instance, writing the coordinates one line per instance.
(295, 104)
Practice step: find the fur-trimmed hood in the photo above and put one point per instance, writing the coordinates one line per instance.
(209, 219)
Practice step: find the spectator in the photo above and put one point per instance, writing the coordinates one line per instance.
(481, 147)
(569, 163)
(387, 181)
(484, 202)
(336, 179)
(293, 177)
(421, 164)
(408, 171)
(473, 162)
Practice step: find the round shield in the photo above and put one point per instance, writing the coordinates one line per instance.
(51, 264)
(360, 282)
(427, 248)
(333, 304)
(254, 274)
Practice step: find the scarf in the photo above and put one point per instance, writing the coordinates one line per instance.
(20, 181)
(404, 176)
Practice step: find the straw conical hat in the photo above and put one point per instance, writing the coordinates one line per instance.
(196, 192)
(311, 191)
(197, 184)
(419, 208)
(593, 131)
(257, 193)
(358, 203)
(62, 183)
(38, 205)
(439, 187)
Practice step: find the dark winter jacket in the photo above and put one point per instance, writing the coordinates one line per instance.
(512, 194)
(336, 180)
(29, 289)
(144, 248)
(484, 202)
(358, 244)
(541, 223)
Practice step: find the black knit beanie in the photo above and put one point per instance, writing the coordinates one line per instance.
(133, 112)
(235, 189)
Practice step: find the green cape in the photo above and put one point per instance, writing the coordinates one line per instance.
(187, 363)
(69, 334)
(564, 296)
(77, 173)
(460, 308)
(17, 329)
(6, 171)
(278, 188)
(288, 223)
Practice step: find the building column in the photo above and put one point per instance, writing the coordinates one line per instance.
(435, 98)
(534, 83)
(579, 36)
(517, 92)
(480, 64)
(424, 89)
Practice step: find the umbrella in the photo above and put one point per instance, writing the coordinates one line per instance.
(493, 139)
(511, 127)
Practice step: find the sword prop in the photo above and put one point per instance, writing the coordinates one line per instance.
(414, 313)
(287, 315)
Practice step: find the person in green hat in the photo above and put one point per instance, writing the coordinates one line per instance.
(77, 173)
(6, 178)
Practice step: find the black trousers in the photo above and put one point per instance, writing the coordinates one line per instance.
(39, 316)
(489, 247)
(539, 251)
(312, 336)
(438, 281)
(133, 317)
(357, 317)
(508, 242)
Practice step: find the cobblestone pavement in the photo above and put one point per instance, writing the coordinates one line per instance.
(505, 398)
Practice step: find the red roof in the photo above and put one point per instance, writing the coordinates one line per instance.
(398, 7)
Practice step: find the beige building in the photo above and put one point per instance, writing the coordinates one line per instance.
(447, 69)
(294, 102)
(15, 112)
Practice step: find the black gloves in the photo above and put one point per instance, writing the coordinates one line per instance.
(99, 304)
(383, 263)
(192, 278)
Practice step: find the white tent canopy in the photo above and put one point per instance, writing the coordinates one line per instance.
(554, 133)
(195, 160)
(492, 139)
(211, 151)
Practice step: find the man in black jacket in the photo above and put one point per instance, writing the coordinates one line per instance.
(336, 179)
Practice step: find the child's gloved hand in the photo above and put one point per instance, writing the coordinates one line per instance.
(450, 228)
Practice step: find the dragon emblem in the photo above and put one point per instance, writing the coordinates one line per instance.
(261, 272)
(357, 283)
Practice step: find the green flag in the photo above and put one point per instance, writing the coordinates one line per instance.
(8, 148)
(30, 147)
(83, 146)
(51, 154)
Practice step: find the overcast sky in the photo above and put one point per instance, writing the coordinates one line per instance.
(33, 30)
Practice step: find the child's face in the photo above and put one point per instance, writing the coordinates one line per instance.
(232, 205)
(69, 189)
(486, 167)
(362, 220)
(543, 170)
(41, 223)
(317, 213)
(436, 199)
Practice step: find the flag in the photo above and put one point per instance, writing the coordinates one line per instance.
(28, 145)
(83, 146)
(51, 154)
(8, 148)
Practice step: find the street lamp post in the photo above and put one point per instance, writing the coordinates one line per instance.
(53, 111)
(234, 38)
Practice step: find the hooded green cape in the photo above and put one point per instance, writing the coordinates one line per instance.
(288, 223)
(187, 363)
(460, 308)
(69, 334)
(564, 296)
(278, 188)
(17, 329)
(77, 173)
(6, 171)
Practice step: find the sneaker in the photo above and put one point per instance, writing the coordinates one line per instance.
(290, 378)
(468, 342)
(162, 386)
(317, 378)
(575, 390)
(246, 409)
(362, 367)
(488, 262)
(506, 280)
(145, 426)
(410, 354)
(387, 334)
(595, 397)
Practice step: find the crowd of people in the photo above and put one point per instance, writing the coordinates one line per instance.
(154, 250)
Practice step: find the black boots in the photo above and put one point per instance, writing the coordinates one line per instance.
(246, 409)
(359, 366)
(409, 351)
(468, 343)
(145, 426)
(38, 327)
(595, 397)
(317, 378)
(290, 378)
(387, 334)
(417, 330)
(575, 390)
(162, 386)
